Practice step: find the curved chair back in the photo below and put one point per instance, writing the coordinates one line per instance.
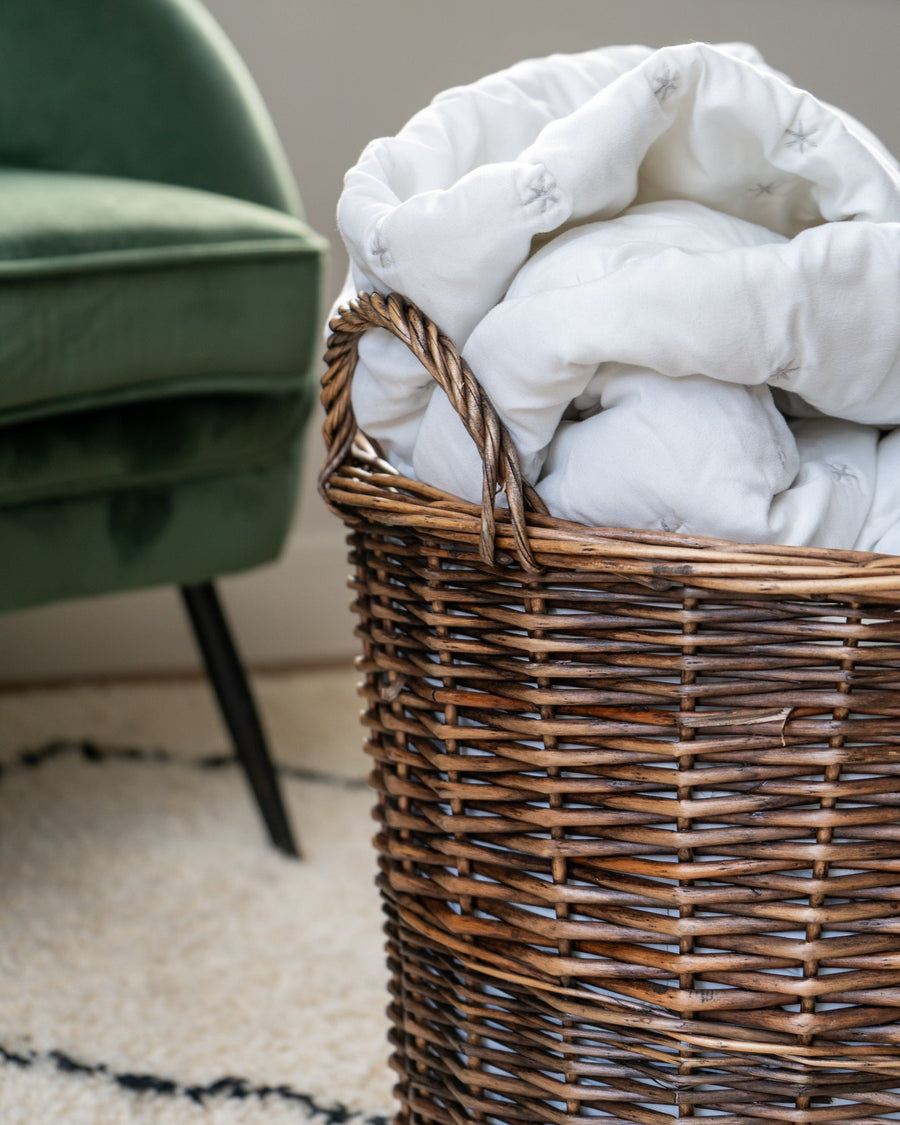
(145, 89)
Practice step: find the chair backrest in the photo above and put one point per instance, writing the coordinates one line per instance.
(146, 89)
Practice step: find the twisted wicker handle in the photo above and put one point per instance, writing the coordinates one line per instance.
(440, 358)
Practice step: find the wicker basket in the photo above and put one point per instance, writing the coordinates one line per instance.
(638, 798)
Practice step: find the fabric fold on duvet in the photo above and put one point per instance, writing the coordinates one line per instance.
(674, 274)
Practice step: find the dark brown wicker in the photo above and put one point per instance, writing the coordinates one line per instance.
(638, 797)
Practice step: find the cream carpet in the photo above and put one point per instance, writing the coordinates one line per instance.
(158, 962)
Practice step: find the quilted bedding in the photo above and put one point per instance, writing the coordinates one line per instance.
(676, 275)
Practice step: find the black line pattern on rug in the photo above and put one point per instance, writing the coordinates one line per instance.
(95, 753)
(228, 1087)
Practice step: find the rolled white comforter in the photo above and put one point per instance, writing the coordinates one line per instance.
(676, 276)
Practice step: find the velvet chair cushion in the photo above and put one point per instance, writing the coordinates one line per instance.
(117, 290)
(153, 444)
(148, 535)
(157, 346)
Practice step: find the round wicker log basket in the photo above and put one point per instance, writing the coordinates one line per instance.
(639, 798)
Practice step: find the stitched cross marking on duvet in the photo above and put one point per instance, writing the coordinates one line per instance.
(542, 191)
(670, 524)
(666, 83)
(783, 373)
(842, 472)
(799, 138)
(380, 251)
(763, 189)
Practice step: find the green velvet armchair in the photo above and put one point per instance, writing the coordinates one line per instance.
(159, 317)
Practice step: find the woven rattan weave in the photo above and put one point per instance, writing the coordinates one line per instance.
(639, 799)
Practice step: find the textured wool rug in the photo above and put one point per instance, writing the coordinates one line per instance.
(159, 963)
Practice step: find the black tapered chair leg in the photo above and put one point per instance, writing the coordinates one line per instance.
(238, 709)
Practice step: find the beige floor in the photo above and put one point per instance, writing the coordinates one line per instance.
(146, 928)
(311, 715)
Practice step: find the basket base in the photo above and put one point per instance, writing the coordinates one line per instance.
(474, 1047)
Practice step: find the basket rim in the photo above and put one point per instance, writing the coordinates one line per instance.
(366, 489)
(361, 486)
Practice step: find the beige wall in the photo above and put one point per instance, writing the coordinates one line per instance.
(337, 73)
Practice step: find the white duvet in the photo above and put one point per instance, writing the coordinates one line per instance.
(676, 276)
